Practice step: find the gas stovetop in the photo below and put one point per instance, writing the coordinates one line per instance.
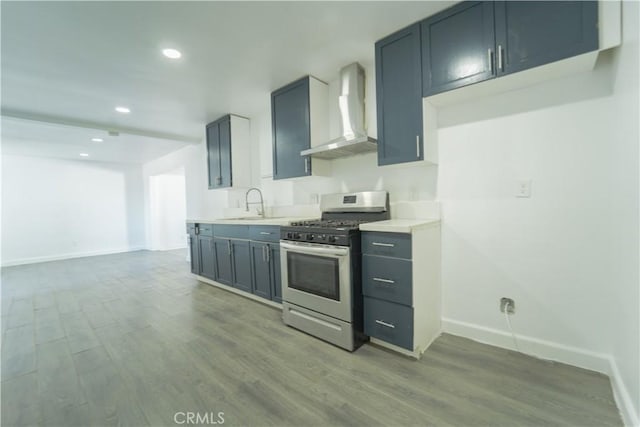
(341, 216)
(338, 224)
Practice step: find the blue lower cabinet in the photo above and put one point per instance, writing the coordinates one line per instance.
(389, 322)
(194, 252)
(232, 262)
(207, 257)
(231, 258)
(241, 260)
(276, 284)
(222, 256)
(265, 233)
(387, 278)
(265, 270)
(260, 270)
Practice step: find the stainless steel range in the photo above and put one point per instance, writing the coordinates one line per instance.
(321, 279)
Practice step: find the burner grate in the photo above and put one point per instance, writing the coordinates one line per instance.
(328, 223)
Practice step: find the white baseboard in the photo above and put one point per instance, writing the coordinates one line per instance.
(528, 345)
(627, 409)
(47, 258)
(549, 350)
(173, 248)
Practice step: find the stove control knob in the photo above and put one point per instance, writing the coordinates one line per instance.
(331, 239)
(296, 235)
(289, 235)
(309, 236)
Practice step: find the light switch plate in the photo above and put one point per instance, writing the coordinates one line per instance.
(523, 188)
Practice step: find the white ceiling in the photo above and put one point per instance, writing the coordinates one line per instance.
(71, 63)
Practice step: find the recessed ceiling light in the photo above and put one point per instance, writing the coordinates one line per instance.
(171, 53)
(97, 139)
(84, 155)
(123, 110)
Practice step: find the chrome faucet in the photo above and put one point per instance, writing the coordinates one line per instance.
(246, 200)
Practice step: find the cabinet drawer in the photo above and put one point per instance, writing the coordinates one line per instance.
(387, 278)
(191, 228)
(232, 231)
(389, 322)
(388, 244)
(264, 233)
(206, 230)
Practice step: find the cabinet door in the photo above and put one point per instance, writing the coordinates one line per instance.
(207, 257)
(194, 253)
(225, 153)
(458, 47)
(387, 278)
(241, 257)
(276, 284)
(260, 270)
(389, 322)
(399, 97)
(533, 33)
(222, 256)
(213, 155)
(291, 130)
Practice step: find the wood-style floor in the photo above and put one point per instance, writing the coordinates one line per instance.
(132, 339)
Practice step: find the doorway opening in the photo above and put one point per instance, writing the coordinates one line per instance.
(168, 211)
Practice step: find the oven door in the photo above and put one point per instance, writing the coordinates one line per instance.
(317, 277)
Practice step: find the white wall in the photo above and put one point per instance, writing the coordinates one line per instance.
(168, 211)
(569, 254)
(200, 202)
(54, 208)
(625, 208)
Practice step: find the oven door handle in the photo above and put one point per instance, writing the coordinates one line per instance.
(315, 249)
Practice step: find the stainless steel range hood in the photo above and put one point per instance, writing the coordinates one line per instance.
(354, 139)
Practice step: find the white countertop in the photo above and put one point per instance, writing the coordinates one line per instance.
(399, 225)
(250, 221)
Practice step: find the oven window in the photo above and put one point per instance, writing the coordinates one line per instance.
(314, 274)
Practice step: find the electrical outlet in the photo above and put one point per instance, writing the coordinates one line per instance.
(523, 188)
(508, 304)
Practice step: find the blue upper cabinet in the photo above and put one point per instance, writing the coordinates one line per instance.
(291, 130)
(225, 153)
(533, 33)
(479, 40)
(228, 152)
(399, 97)
(219, 153)
(459, 47)
(299, 119)
(213, 156)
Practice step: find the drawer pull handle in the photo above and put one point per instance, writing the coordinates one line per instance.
(377, 279)
(386, 245)
(388, 325)
(265, 233)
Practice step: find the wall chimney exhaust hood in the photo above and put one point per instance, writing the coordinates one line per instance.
(354, 139)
